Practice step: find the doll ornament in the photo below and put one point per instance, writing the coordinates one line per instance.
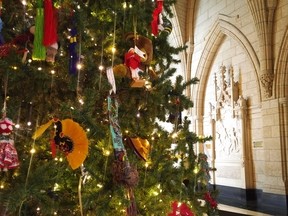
(137, 60)
(8, 153)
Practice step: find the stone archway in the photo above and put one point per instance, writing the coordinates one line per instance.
(233, 133)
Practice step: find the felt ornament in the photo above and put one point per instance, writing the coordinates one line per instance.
(70, 138)
(155, 17)
(73, 52)
(180, 209)
(136, 60)
(140, 146)
(39, 50)
(8, 153)
(50, 37)
(50, 24)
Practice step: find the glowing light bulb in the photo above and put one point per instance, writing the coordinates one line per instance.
(79, 66)
(33, 150)
(174, 135)
(101, 67)
(29, 123)
(39, 68)
(113, 49)
(24, 2)
(52, 71)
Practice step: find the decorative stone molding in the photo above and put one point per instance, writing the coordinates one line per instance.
(267, 83)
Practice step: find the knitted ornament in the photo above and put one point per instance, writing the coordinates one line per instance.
(8, 153)
(39, 50)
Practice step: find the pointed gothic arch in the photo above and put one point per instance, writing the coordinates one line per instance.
(219, 31)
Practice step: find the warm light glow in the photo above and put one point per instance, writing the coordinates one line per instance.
(113, 49)
(52, 71)
(81, 101)
(29, 123)
(146, 164)
(29, 60)
(72, 108)
(106, 152)
(196, 170)
(17, 126)
(138, 115)
(79, 66)
(174, 135)
(155, 193)
(24, 2)
(99, 185)
(56, 187)
(38, 209)
(101, 67)
(88, 129)
(33, 150)
(2, 186)
(39, 68)
(124, 5)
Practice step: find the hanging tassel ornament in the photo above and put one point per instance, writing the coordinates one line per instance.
(39, 50)
(155, 17)
(73, 52)
(1, 25)
(50, 37)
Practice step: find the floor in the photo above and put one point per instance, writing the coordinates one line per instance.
(226, 210)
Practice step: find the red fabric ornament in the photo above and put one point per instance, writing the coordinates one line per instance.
(8, 153)
(155, 21)
(132, 60)
(208, 198)
(180, 209)
(50, 24)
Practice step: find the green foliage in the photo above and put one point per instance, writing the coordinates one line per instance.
(42, 184)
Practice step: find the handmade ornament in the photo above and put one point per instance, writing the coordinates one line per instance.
(155, 17)
(164, 24)
(8, 153)
(160, 23)
(180, 209)
(39, 50)
(70, 138)
(210, 200)
(50, 36)
(20, 44)
(140, 146)
(137, 60)
(1, 36)
(73, 52)
(123, 172)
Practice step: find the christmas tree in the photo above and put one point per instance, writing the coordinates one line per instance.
(87, 87)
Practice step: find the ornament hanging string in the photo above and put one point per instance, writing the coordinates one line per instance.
(5, 96)
(114, 39)
(79, 67)
(31, 158)
(101, 65)
(81, 181)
